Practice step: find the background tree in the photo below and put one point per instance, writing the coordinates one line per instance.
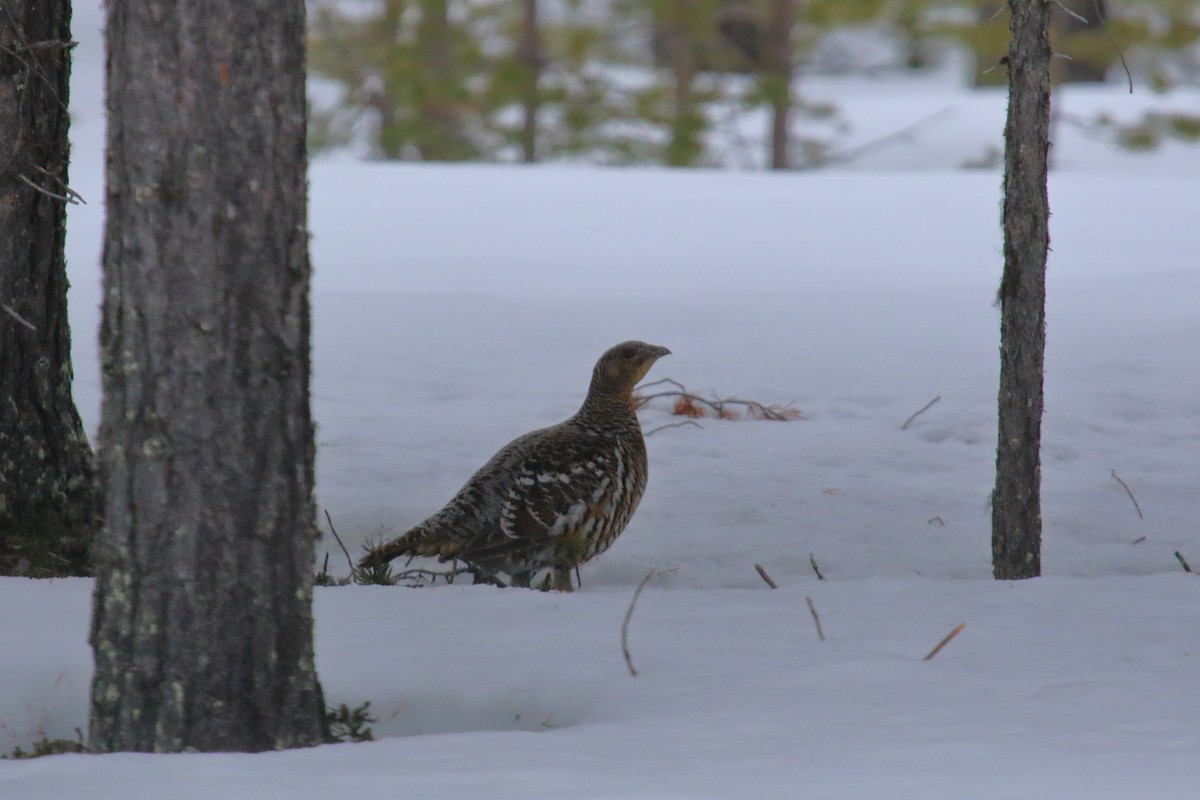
(1016, 500)
(202, 625)
(48, 502)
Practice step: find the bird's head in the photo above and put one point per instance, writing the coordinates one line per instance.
(621, 367)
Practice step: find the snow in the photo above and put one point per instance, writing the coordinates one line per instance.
(459, 306)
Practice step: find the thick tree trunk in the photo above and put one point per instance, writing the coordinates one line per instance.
(1016, 501)
(48, 501)
(777, 76)
(202, 625)
(529, 56)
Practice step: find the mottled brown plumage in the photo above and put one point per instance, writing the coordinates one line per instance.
(551, 499)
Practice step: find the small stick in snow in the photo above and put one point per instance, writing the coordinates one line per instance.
(1138, 540)
(762, 573)
(941, 522)
(813, 610)
(813, 561)
(333, 530)
(629, 616)
(1125, 486)
(957, 629)
(674, 425)
(919, 412)
(1186, 566)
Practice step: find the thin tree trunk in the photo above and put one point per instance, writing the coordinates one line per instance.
(440, 135)
(781, 16)
(684, 147)
(529, 55)
(202, 622)
(48, 501)
(1016, 501)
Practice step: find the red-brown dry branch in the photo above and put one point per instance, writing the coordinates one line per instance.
(628, 616)
(691, 405)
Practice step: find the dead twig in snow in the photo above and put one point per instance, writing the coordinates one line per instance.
(762, 573)
(628, 616)
(1129, 492)
(957, 629)
(681, 423)
(1183, 561)
(813, 562)
(919, 412)
(817, 620)
(333, 530)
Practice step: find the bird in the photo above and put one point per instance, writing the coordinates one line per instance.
(551, 499)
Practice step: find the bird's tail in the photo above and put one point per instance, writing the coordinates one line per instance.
(417, 542)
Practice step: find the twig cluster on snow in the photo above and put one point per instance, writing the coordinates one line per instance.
(691, 405)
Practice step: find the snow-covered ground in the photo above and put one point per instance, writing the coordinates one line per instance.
(456, 307)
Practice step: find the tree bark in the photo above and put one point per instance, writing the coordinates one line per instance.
(777, 76)
(202, 619)
(685, 146)
(1016, 501)
(48, 501)
(529, 56)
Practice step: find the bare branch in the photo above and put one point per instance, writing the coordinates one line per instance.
(73, 198)
(628, 616)
(762, 573)
(957, 629)
(1070, 13)
(902, 135)
(1113, 42)
(813, 562)
(1129, 492)
(941, 522)
(12, 313)
(816, 619)
(919, 412)
(1183, 561)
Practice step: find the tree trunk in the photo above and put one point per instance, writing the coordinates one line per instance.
(202, 623)
(1016, 501)
(777, 76)
(529, 56)
(440, 135)
(48, 499)
(685, 146)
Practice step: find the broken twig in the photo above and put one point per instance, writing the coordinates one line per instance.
(957, 629)
(817, 620)
(762, 573)
(1183, 561)
(919, 412)
(813, 562)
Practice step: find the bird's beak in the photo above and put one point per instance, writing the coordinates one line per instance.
(659, 352)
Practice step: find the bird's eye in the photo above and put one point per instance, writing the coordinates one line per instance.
(628, 353)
